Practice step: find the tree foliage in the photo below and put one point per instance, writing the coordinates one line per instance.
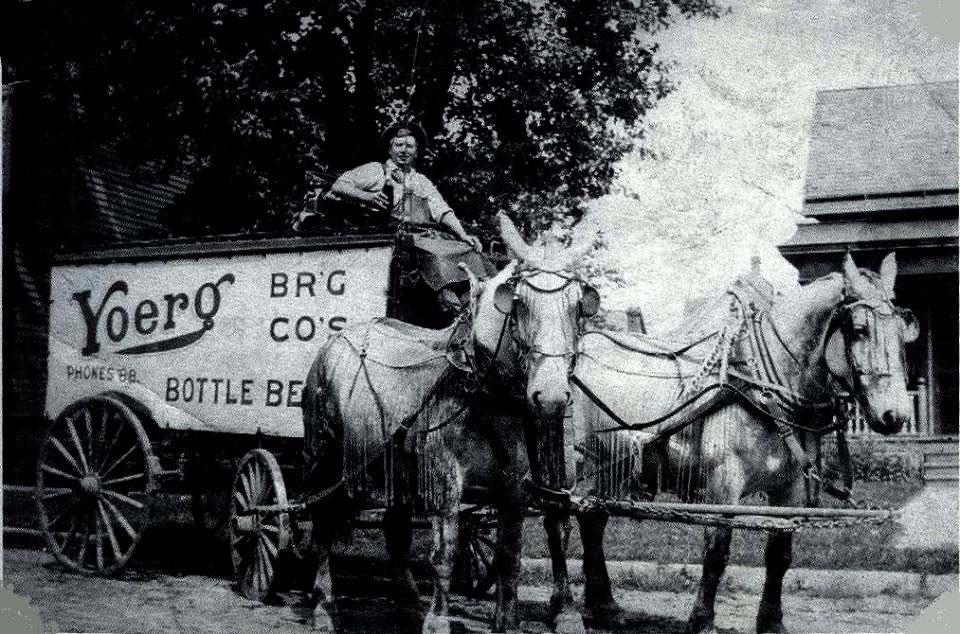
(529, 103)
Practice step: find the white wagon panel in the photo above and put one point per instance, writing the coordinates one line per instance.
(210, 343)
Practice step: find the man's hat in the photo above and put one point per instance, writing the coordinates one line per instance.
(403, 129)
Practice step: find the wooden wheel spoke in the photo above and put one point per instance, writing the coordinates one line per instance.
(476, 568)
(269, 494)
(99, 543)
(111, 536)
(88, 425)
(113, 441)
(57, 472)
(245, 487)
(82, 555)
(98, 441)
(238, 497)
(255, 482)
(76, 443)
(128, 478)
(117, 462)
(257, 571)
(488, 541)
(74, 508)
(56, 493)
(486, 558)
(121, 519)
(269, 545)
(66, 454)
(70, 532)
(120, 497)
(267, 566)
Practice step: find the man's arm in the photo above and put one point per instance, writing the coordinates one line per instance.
(451, 222)
(357, 186)
(443, 215)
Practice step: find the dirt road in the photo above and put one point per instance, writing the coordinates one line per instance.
(169, 596)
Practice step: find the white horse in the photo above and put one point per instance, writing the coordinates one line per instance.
(725, 408)
(410, 416)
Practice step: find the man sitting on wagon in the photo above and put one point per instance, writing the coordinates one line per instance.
(426, 262)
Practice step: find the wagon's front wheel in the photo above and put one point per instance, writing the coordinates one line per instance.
(257, 536)
(474, 571)
(95, 485)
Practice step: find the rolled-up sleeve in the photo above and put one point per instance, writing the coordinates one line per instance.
(369, 177)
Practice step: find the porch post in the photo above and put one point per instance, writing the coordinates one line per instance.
(922, 412)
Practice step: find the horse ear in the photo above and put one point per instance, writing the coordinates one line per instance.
(503, 297)
(852, 278)
(511, 237)
(835, 355)
(911, 327)
(476, 286)
(590, 302)
(888, 273)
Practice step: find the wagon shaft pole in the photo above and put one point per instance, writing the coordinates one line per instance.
(767, 518)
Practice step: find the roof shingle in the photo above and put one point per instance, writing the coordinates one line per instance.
(885, 140)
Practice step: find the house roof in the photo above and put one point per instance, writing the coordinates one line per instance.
(840, 236)
(123, 205)
(872, 146)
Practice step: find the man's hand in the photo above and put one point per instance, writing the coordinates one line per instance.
(474, 242)
(377, 200)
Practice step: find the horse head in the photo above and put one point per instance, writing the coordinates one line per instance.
(528, 320)
(865, 347)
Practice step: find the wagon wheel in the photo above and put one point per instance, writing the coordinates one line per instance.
(258, 539)
(95, 485)
(474, 571)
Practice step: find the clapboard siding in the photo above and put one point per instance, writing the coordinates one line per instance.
(98, 202)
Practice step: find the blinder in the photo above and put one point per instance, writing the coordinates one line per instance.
(859, 318)
(590, 301)
(504, 296)
(911, 327)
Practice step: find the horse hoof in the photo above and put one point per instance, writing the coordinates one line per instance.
(772, 627)
(321, 622)
(701, 625)
(502, 624)
(608, 615)
(436, 624)
(770, 620)
(569, 622)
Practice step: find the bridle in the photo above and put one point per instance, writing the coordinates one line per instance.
(847, 319)
(530, 353)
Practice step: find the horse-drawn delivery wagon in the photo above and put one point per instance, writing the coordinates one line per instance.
(166, 358)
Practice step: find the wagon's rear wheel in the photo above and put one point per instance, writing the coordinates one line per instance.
(257, 539)
(474, 571)
(95, 485)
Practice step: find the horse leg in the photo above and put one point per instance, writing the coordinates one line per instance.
(563, 614)
(398, 534)
(445, 528)
(598, 595)
(321, 598)
(777, 557)
(507, 564)
(716, 549)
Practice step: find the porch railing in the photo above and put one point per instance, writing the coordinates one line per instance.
(919, 426)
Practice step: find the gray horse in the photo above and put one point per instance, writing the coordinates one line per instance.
(713, 445)
(409, 416)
